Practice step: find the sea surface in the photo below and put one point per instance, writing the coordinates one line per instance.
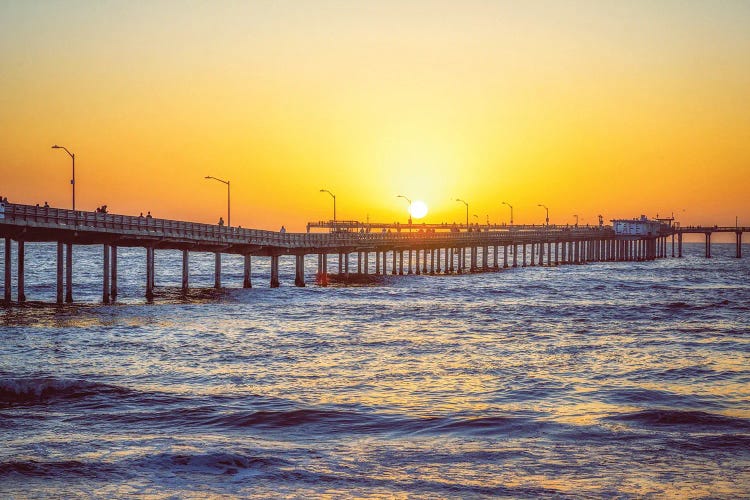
(624, 380)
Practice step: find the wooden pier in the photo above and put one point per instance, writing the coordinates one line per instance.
(389, 249)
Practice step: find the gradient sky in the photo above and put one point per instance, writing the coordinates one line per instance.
(612, 108)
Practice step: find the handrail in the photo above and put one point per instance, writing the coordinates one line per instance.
(212, 233)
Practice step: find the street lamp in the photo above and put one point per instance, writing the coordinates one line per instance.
(334, 202)
(73, 180)
(467, 212)
(511, 211)
(229, 218)
(576, 216)
(409, 202)
(547, 209)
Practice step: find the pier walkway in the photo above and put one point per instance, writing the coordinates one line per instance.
(400, 249)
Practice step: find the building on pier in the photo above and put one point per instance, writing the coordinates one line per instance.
(642, 227)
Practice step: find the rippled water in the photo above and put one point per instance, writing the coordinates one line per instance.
(601, 380)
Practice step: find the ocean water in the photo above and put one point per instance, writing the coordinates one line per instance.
(625, 380)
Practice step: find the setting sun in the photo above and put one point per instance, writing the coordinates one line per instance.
(418, 209)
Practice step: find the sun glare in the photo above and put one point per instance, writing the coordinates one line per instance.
(418, 209)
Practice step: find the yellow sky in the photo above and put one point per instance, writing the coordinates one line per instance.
(612, 108)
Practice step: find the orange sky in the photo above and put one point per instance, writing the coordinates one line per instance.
(612, 108)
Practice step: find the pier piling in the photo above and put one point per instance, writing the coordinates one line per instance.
(59, 280)
(21, 291)
(274, 271)
(113, 281)
(8, 256)
(69, 273)
(246, 279)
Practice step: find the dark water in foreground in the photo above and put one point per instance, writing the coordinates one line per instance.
(622, 380)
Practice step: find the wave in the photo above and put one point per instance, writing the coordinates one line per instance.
(638, 396)
(45, 389)
(678, 418)
(214, 462)
(64, 468)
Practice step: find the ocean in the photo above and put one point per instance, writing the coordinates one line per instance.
(624, 380)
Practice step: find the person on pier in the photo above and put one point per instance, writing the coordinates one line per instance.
(221, 221)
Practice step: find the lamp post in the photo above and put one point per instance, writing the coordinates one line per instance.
(547, 209)
(467, 212)
(409, 202)
(334, 202)
(511, 211)
(229, 216)
(73, 180)
(576, 216)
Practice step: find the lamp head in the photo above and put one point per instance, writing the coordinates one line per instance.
(55, 147)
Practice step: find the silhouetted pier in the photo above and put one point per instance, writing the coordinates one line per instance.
(380, 249)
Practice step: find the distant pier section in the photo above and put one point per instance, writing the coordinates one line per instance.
(354, 248)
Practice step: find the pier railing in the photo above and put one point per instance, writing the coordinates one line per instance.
(143, 226)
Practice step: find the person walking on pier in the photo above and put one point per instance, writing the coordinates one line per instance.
(282, 230)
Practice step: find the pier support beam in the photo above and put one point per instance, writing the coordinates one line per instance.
(60, 260)
(105, 274)
(738, 252)
(246, 278)
(418, 269)
(217, 270)
(679, 245)
(541, 253)
(69, 272)
(21, 291)
(185, 270)
(113, 274)
(274, 271)
(557, 254)
(7, 270)
(377, 262)
(708, 245)
(515, 255)
(505, 256)
(532, 264)
(523, 257)
(299, 271)
(149, 273)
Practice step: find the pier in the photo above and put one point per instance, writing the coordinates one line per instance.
(380, 249)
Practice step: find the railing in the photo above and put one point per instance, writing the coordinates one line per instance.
(148, 227)
(715, 229)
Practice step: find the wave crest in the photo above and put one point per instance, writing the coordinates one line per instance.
(43, 389)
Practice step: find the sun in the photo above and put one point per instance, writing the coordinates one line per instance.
(418, 209)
